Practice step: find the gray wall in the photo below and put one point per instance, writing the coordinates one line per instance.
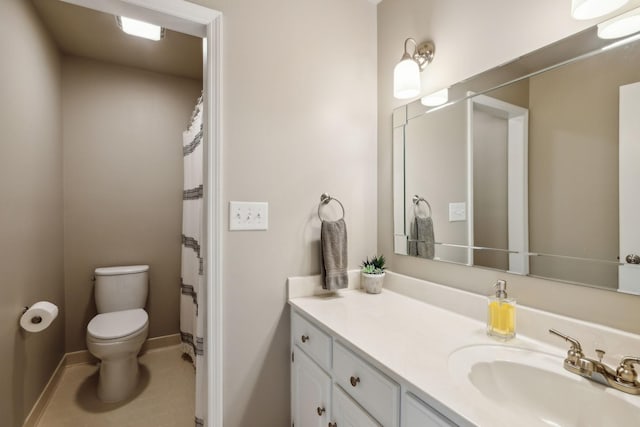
(490, 202)
(299, 119)
(459, 27)
(122, 184)
(30, 207)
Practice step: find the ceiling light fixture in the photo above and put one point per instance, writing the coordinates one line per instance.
(138, 28)
(406, 74)
(589, 9)
(620, 26)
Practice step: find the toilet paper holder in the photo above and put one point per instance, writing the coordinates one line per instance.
(36, 319)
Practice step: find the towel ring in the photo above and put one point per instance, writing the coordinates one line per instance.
(324, 200)
(416, 201)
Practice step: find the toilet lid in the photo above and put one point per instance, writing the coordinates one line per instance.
(117, 324)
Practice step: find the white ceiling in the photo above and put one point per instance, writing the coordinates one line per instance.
(90, 34)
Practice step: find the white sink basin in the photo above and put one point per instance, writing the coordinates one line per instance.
(534, 387)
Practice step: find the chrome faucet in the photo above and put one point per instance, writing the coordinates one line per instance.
(625, 378)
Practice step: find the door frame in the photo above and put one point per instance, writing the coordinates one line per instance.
(628, 205)
(518, 184)
(199, 21)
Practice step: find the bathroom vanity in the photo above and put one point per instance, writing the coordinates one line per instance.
(417, 355)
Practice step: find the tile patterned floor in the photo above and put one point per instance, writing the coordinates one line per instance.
(164, 398)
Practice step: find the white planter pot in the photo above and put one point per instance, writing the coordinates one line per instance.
(372, 283)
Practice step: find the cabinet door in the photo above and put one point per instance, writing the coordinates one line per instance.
(310, 392)
(415, 413)
(345, 412)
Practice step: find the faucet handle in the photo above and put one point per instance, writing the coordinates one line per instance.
(626, 372)
(575, 351)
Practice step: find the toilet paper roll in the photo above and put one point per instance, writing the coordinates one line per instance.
(39, 316)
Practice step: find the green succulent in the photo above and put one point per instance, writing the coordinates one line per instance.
(375, 265)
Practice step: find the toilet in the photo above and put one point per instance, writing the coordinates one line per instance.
(116, 334)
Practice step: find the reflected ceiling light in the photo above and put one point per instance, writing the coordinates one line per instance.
(436, 98)
(406, 74)
(620, 26)
(588, 9)
(140, 28)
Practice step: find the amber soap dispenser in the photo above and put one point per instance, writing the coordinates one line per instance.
(501, 313)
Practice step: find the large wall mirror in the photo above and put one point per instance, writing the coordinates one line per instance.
(531, 168)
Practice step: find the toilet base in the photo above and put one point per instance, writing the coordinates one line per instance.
(118, 379)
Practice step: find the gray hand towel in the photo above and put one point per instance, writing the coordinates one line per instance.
(412, 244)
(421, 238)
(333, 238)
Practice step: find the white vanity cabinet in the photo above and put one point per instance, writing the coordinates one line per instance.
(333, 386)
(310, 384)
(377, 393)
(345, 412)
(415, 413)
(310, 392)
(312, 340)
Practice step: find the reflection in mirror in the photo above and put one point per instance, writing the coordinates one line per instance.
(537, 176)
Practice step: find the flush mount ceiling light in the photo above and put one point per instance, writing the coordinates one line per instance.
(436, 98)
(406, 74)
(140, 28)
(620, 26)
(588, 9)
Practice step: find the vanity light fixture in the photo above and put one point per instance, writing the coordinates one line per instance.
(436, 98)
(620, 26)
(138, 28)
(406, 74)
(589, 9)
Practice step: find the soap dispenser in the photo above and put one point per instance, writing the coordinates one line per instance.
(501, 313)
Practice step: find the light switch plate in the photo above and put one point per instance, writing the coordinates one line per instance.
(248, 216)
(457, 211)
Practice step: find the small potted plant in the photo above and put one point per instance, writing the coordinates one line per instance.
(373, 274)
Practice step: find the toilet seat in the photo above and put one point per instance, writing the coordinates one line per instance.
(117, 324)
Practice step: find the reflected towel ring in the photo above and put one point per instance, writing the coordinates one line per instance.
(324, 200)
(416, 201)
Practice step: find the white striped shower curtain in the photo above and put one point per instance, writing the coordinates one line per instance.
(192, 308)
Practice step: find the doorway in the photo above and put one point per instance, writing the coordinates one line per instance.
(497, 133)
(198, 21)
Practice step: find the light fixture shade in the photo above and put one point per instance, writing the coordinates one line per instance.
(620, 26)
(589, 9)
(406, 79)
(436, 98)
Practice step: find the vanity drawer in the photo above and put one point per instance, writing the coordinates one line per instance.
(311, 340)
(377, 393)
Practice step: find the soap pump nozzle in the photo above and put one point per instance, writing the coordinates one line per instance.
(501, 288)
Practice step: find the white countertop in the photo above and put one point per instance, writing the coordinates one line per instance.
(412, 340)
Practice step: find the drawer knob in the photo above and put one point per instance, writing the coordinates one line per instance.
(333, 424)
(305, 338)
(320, 411)
(354, 381)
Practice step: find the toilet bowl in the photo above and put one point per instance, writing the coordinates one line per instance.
(116, 339)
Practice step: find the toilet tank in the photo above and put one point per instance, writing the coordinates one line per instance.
(121, 288)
